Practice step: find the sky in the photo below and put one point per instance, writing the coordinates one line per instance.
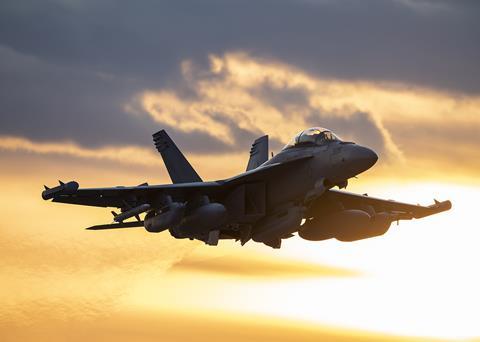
(83, 86)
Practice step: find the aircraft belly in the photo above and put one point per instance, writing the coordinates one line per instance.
(279, 225)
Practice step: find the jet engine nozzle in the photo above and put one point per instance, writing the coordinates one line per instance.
(63, 188)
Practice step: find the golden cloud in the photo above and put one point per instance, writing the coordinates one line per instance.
(212, 165)
(201, 327)
(121, 154)
(230, 91)
(421, 131)
(241, 265)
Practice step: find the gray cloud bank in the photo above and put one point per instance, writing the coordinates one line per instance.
(69, 67)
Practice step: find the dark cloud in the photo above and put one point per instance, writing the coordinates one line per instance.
(373, 39)
(282, 98)
(69, 67)
(46, 102)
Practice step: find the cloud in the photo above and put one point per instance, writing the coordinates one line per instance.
(439, 145)
(77, 82)
(80, 279)
(214, 112)
(392, 40)
(200, 327)
(51, 267)
(45, 101)
(86, 107)
(240, 93)
(430, 7)
(258, 266)
(121, 154)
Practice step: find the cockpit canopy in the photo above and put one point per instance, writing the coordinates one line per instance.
(313, 136)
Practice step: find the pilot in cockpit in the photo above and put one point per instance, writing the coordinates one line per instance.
(313, 136)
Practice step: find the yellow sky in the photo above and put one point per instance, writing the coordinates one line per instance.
(57, 279)
(60, 282)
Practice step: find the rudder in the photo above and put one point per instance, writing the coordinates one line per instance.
(258, 153)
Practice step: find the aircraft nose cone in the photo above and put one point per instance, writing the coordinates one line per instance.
(361, 159)
(365, 157)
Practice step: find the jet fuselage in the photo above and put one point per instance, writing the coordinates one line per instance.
(330, 165)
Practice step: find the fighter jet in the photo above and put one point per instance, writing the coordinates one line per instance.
(274, 199)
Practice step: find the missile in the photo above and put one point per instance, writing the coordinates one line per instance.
(62, 189)
(132, 212)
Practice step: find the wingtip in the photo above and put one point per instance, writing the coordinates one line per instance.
(442, 206)
(448, 204)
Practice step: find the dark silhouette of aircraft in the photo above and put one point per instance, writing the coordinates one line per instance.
(290, 193)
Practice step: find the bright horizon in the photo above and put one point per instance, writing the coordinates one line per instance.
(416, 272)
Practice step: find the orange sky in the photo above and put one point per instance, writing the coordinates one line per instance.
(60, 282)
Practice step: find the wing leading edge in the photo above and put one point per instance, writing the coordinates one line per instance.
(404, 211)
(119, 196)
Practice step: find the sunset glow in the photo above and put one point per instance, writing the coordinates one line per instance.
(400, 77)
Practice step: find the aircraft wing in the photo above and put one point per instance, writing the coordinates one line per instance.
(121, 197)
(404, 211)
(126, 197)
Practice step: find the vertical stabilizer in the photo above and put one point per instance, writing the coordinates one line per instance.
(178, 167)
(258, 153)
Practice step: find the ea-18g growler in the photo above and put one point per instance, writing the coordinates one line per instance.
(290, 193)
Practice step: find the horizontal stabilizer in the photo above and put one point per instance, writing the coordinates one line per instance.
(133, 224)
(178, 167)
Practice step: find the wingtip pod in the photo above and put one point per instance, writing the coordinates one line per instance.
(441, 206)
(63, 188)
(435, 208)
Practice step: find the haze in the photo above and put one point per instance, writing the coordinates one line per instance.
(84, 84)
